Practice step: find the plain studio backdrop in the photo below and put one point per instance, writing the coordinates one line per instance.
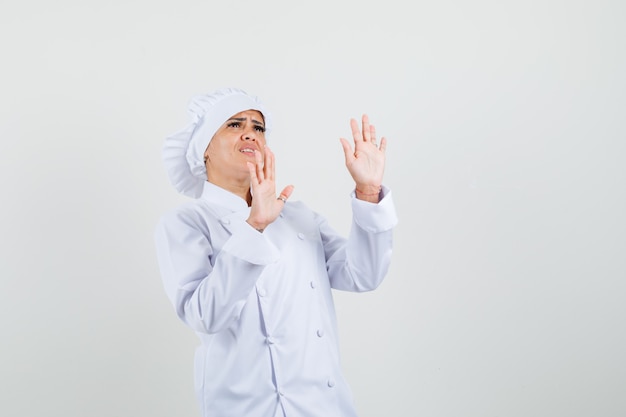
(506, 123)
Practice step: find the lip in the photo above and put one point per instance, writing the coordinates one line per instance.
(251, 148)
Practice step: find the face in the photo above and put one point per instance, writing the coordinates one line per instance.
(233, 145)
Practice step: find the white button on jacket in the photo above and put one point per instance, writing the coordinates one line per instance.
(235, 287)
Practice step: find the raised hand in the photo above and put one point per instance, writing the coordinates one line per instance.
(366, 163)
(265, 206)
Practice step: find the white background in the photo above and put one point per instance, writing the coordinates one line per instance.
(507, 137)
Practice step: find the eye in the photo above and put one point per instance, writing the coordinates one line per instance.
(259, 128)
(234, 124)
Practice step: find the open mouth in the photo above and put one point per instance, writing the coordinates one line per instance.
(249, 151)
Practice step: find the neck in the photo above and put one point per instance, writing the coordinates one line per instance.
(239, 188)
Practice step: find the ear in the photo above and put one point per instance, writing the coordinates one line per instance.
(206, 153)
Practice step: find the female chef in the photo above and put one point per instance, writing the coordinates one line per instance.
(251, 272)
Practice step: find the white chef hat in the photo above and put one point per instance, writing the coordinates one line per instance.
(183, 152)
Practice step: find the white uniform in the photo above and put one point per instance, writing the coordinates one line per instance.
(261, 303)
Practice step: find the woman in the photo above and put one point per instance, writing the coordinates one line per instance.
(251, 272)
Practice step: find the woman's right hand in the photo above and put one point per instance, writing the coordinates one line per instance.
(265, 206)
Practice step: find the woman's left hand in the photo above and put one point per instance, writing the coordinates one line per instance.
(366, 163)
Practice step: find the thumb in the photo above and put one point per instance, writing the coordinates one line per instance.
(347, 151)
(286, 192)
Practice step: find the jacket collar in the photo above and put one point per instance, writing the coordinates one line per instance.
(215, 195)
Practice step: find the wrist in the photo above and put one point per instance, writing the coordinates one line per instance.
(259, 228)
(371, 194)
(368, 190)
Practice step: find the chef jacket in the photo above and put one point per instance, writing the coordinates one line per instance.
(261, 303)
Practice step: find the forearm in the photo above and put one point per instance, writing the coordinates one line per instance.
(364, 262)
(209, 285)
(218, 299)
(360, 262)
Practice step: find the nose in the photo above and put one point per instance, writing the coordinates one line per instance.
(249, 134)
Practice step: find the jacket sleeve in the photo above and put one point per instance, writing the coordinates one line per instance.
(209, 288)
(360, 262)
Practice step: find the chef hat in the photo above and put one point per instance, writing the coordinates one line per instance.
(183, 152)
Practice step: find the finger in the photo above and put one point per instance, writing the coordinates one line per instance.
(269, 164)
(356, 134)
(259, 166)
(272, 161)
(347, 150)
(373, 134)
(253, 178)
(383, 144)
(366, 128)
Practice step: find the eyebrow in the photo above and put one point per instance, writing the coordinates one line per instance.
(243, 119)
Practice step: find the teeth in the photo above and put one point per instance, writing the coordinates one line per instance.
(247, 150)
